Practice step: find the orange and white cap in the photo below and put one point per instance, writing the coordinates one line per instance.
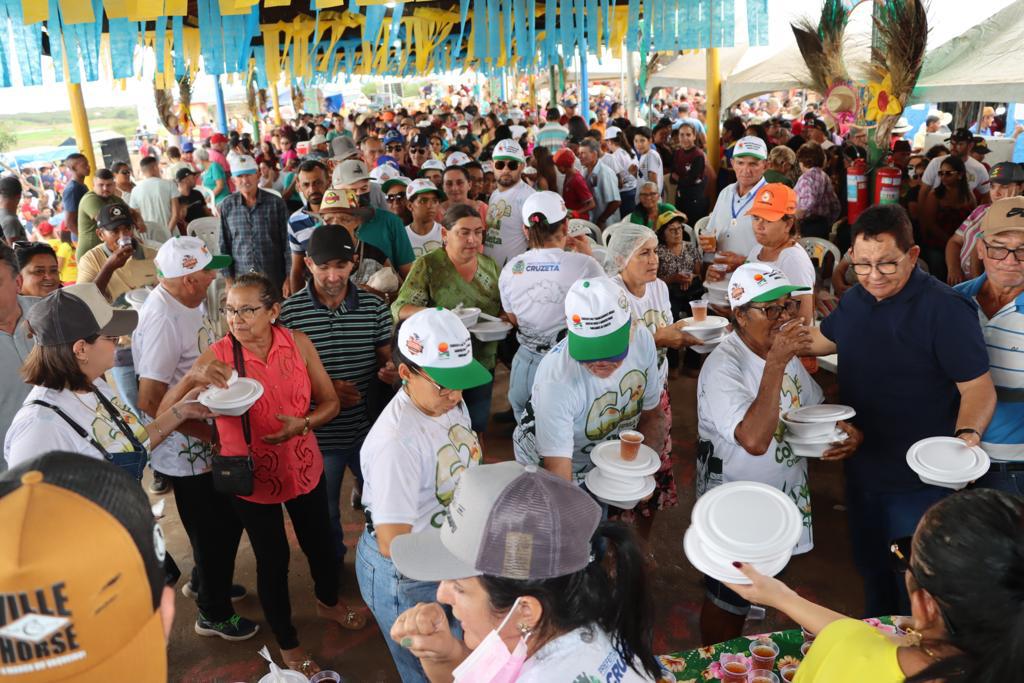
(773, 201)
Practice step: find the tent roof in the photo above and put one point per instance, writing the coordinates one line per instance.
(981, 64)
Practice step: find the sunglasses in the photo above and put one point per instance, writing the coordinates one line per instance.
(502, 165)
(418, 150)
(395, 197)
(394, 148)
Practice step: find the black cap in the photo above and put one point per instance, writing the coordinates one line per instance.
(961, 135)
(183, 173)
(113, 216)
(420, 141)
(901, 146)
(1006, 172)
(330, 242)
(854, 152)
(980, 148)
(77, 312)
(819, 124)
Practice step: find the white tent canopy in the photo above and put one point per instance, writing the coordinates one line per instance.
(982, 64)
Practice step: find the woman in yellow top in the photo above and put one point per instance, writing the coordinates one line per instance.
(965, 575)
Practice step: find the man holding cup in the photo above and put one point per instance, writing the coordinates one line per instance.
(729, 234)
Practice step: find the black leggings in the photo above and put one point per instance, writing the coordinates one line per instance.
(264, 522)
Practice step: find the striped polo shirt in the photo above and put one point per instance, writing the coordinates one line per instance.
(347, 340)
(300, 229)
(1004, 339)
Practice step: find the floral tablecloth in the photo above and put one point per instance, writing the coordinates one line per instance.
(701, 664)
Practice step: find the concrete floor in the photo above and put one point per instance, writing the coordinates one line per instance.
(825, 575)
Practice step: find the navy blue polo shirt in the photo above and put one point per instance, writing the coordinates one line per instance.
(900, 360)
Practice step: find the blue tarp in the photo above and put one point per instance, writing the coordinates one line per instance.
(21, 157)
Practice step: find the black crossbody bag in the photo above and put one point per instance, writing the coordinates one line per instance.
(232, 474)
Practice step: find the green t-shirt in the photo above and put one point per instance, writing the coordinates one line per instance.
(88, 210)
(386, 232)
(640, 215)
(433, 281)
(211, 175)
(773, 176)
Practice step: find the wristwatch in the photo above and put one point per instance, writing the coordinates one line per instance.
(966, 430)
(305, 430)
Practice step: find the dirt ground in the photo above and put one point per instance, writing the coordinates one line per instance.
(825, 574)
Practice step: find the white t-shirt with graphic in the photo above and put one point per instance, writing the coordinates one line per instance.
(654, 310)
(571, 410)
(505, 238)
(727, 386)
(793, 262)
(620, 160)
(411, 463)
(424, 244)
(36, 430)
(977, 174)
(533, 286)
(580, 656)
(167, 341)
(651, 163)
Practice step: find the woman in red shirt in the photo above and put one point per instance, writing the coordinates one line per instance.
(575, 191)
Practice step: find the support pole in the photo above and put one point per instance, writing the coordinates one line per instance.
(584, 84)
(629, 87)
(80, 120)
(277, 104)
(714, 109)
(553, 82)
(222, 112)
(533, 92)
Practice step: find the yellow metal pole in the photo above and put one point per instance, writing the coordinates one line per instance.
(533, 92)
(277, 104)
(713, 107)
(79, 120)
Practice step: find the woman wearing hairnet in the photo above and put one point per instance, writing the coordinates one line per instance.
(632, 262)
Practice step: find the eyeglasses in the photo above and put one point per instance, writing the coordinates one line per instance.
(501, 165)
(885, 268)
(774, 311)
(395, 197)
(246, 313)
(1000, 253)
(418, 150)
(394, 148)
(440, 390)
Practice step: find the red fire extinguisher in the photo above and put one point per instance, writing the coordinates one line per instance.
(887, 185)
(856, 190)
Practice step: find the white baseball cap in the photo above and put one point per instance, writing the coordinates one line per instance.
(383, 173)
(612, 132)
(437, 341)
(515, 114)
(758, 283)
(180, 256)
(317, 140)
(750, 146)
(597, 318)
(421, 186)
(508, 149)
(549, 204)
(458, 159)
(505, 520)
(488, 167)
(432, 165)
(243, 164)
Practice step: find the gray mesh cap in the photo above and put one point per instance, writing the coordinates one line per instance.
(505, 520)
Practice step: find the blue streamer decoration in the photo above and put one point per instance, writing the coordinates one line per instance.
(592, 44)
(28, 44)
(757, 22)
(260, 73)
(5, 70)
(210, 37)
(550, 15)
(479, 26)
(722, 23)
(396, 27)
(122, 47)
(506, 19)
(55, 30)
(252, 29)
(463, 13)
(159, 40)
(493, 32)
(606, 10)
(633, 26)
(178, 28)
(581, 41)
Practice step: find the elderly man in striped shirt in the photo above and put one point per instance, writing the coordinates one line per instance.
(351, 330)
(999, 297)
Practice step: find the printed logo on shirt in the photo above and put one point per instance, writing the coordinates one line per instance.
(40, 631)
(543, 268)
(462, 451)
(606, 414)
(518, 267)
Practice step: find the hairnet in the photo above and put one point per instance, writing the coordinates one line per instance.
(626, 239)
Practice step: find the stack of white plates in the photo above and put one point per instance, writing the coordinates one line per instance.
(947, 461)
(718, 292)
(137, 297)
(238, 397)
(742, 521)
(618, 482)
(810, 430)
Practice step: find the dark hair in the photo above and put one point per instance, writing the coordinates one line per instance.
(460, 169)
(936, 151)
(310, 165)
(545, 165)
(644, 131)
(962, 187)
(884, 219)
(577, 128)
(269, 294)
(174, 152)
(758, 130)
(811, 155)
(105, 174)
(10, 187)
(147, 161)
(968, 553)
(26, 251)
(456, 213)
(55, 367)
(540, 230)
(617, 600)
(553, 115)
(74, 156)
(118, 165)
(8, 256)
(735, 127)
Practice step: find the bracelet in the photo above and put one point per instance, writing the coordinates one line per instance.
(305, 430)
(159, 431)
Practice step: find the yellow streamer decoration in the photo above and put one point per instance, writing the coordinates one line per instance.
(176, 8)
(35, 10)
(76, 12)
(236, 7)
(145, 10)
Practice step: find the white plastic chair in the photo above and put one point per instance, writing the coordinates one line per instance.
(819, 249)
(610, 230)
(208, 230)
(156, 234)
(691, 234)
(211, 201)
(215, 296)
(699, 226)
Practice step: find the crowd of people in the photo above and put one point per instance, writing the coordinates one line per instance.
(335, 260)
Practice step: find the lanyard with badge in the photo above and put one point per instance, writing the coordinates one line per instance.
(746, 201)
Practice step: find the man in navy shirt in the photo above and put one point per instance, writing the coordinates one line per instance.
(913, 364)
(78, 164)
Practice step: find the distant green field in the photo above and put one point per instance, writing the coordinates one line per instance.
(53, 128)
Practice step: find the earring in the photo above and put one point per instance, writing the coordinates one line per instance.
(273, 320)
(524, 629)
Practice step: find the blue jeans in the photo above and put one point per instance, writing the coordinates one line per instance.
(1002, 479)
(387, 593)
(335, 462)
(127, 386)
(478, 402)
(876, 519)
(520, 381)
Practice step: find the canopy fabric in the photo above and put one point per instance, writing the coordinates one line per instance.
(33, 155)
(982, 64)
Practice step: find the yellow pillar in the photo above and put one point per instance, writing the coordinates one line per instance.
(713, 107)
(277, 104)
(79, 120)
(533, 92)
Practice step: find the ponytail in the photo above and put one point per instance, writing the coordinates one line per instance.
(611, 592)
(540, 231)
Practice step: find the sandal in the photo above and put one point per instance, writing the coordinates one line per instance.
(297, 660)
(345, 616)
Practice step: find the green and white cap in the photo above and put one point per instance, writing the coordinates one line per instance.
(437, 341)
(758, 283)
(508, 150)
(597, 319)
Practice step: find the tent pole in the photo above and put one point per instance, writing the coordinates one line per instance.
(277, 104)
(554, 85)
(533, 93)
(222, 113)
(714, 108)
(80, 120)
(629, 86)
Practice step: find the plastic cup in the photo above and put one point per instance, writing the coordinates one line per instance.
(808, 636)
(629, 444)
(763, 652)
(902, 625)
(735, 668)
(708, 243)
(700, 310)
(805, 647)
(761, 676)
(788, 673)
(326, 677)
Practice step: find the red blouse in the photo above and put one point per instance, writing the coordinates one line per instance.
(286, 470)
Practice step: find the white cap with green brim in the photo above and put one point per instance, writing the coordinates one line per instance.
(759, 283)
(597, 318)
(750, 146)
(437, 341)
(508, 150)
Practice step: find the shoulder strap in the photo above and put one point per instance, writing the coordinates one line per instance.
(74, 425)
(240, 369)
(115, 415)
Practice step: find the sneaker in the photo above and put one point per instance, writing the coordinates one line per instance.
(235, 628)
(237, 592)
(160, 484)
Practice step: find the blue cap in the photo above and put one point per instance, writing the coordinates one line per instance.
(387, 159)
(187, 146)
(393, 136)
